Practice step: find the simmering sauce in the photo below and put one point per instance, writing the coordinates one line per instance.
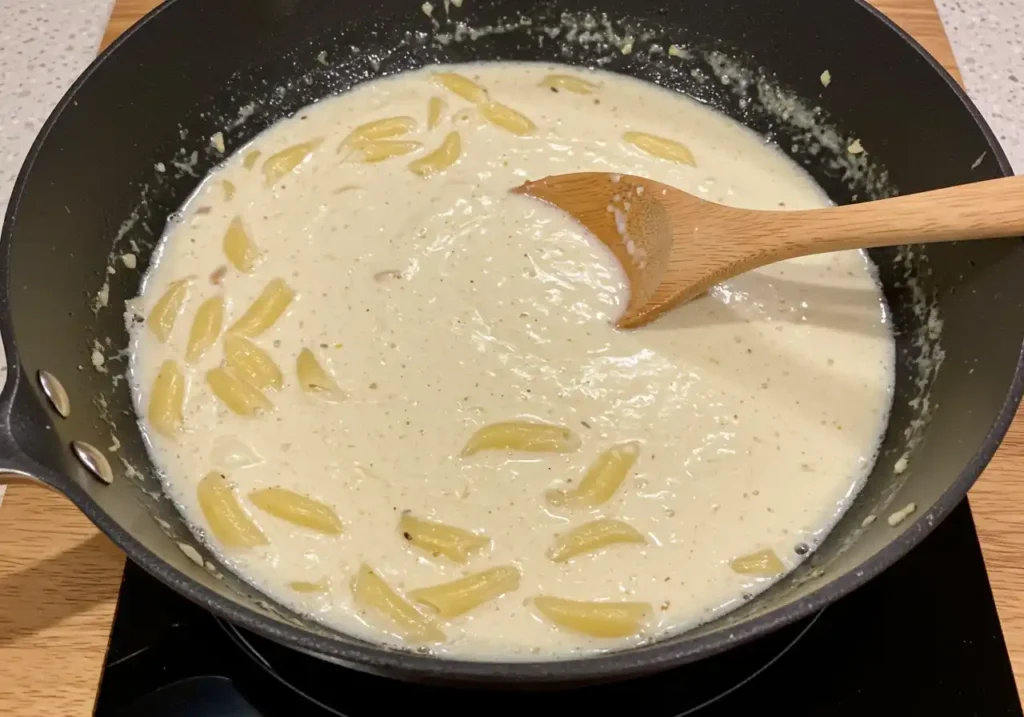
(410, 302)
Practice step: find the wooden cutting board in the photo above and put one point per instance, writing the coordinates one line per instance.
(59, 578)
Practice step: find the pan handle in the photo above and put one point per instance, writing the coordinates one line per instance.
(21, 415)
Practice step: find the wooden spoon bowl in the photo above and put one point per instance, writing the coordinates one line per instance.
(674, 246)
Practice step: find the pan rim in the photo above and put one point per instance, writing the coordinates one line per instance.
(370, 657)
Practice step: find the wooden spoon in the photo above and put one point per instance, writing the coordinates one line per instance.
(674, 246)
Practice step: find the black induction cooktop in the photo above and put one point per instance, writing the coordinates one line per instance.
(921, 639)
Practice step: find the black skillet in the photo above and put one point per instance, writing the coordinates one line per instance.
(130, 141)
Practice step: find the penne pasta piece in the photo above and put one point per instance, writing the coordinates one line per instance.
(229, 522)
(297, 509)
(462, 86)
(661, 147)
(239, 247)
(378, 129)
(593, 536)
(569, 84)
(597, 619)
(456, 544)
(282, 163)
(435, 108)
(381, 149)
(236, 394)
(304, 586)
(507, 118)
(602, 479)
(268, 307)
(166, 309)
(205, 328)
(314, 378)
(251, 363)
(440, 159)
(167, 399)
(372, 593)
(250, 158)
(763, 563)
(460, 596)
(529, 436)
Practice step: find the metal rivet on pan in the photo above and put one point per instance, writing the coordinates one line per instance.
(94, 460)
(54, 391)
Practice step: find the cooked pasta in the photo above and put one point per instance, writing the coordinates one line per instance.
(251, 363)
(392, 357)
(438, 539)
(661, 147)
(314, 379)
(372, 593)
(569, 83)
(166, 309)
(440, 159)
(224, 514)
(602, 479)
(460, 596)
(597, 619)
(378, 130)
(435, 108)
(297, 509)
(205, 328)
(265, 310)
(528, 436)
(507, 118)
(281, 164)
(593, 536)
(304, 586)
(239, 247)
(235, 393)
(763, 563)
(462, 86)
(251, 158)
(382, 149)
(166, 400)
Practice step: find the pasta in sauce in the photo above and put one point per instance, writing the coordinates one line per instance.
(389, 394)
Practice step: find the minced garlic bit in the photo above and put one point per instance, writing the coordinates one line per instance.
(900, 515)
(428, 9)
(826, 78)
(676, 51)
(855, 147)
(129, 260)
(901, 464)
(217, 140)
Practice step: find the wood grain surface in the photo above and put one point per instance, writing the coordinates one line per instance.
(59, 578)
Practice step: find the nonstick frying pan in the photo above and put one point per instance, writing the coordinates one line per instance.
(131, 140)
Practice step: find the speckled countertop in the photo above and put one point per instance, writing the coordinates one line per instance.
(988, 41)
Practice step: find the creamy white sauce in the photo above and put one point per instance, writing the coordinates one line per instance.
(759, 407)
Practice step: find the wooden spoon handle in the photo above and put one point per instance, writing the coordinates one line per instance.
(983, 210)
